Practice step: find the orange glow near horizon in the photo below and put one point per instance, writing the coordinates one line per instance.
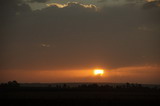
(139, 74)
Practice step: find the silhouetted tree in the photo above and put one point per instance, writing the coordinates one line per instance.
(13, 84)
(128, 85)
(93, 86)
(64, 86)
(49, 85)
(10, 84)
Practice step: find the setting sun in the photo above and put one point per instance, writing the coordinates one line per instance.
(98, 72)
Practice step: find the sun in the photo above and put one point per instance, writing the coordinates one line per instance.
(99, 72)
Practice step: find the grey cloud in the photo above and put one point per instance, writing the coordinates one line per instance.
(84, 38)
(39, 1)
(73, 5)
(137, 1)
(101, 1)
(11, 8)
(152, 4)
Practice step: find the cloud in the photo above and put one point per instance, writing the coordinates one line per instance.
(72, 4)
(151, 4)
(84, 38)
(101, 1)
(141, 74)
(57, 5)
(45, 45)
(11, 8)
(151, 0)
(39, 1)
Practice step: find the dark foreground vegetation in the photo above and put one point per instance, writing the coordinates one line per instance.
(12, 94)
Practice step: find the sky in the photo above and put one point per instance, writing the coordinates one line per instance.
(65, 40)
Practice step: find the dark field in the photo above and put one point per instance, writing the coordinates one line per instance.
(92, 94)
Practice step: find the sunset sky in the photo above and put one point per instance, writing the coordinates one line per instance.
(65, 40)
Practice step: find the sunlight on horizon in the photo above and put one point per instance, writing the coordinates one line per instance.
(124, 74)
(98, 72)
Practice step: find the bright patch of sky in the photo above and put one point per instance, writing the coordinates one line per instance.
(98, 3)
